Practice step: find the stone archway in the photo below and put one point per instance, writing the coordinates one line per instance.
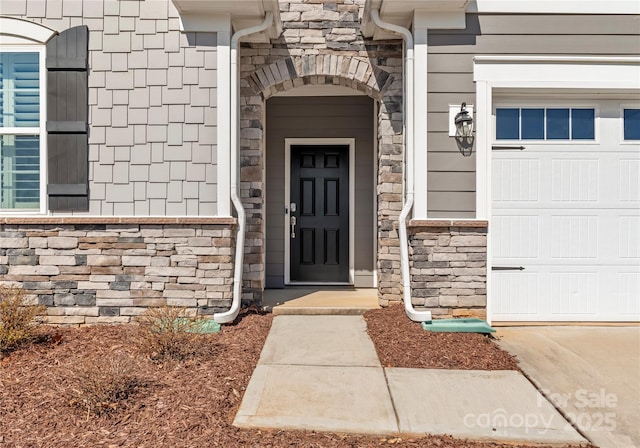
(348, 71)
(376, 70)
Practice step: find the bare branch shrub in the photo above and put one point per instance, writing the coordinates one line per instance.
(18, 318)
(102, 385)
(170, 333)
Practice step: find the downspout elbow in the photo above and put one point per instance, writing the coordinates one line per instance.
(232, 313)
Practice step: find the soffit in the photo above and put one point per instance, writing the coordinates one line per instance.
(243, 14)
(401, 12)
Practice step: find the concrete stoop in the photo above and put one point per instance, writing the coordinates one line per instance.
(322, 373)
(313, 301)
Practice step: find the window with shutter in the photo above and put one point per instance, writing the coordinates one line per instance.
(21, 90)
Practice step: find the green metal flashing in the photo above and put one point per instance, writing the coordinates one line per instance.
(465, 325)
(204, 326)
(186, 325)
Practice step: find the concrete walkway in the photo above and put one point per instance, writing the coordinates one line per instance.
(591, 373)
(322, 373)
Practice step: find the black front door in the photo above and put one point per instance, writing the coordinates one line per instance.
(320, 192)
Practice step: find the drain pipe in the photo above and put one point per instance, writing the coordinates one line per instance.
(412, 313)
(232, 313)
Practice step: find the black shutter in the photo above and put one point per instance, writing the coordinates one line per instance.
(67, 120)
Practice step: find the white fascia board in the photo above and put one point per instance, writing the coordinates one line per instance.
(201, 16)
(494, 59)
(558, 72)
(204, 23)
(555, 6)
(434, 14)
(24, 31)
(440, 20)
(401, 11)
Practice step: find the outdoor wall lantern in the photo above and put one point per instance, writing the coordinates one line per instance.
(461, 127)
(463, 122)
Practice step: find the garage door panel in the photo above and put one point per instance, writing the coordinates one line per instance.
(516, 180)
(574, 292)
(627, 302)
(517, 292)
(574, 236)
(568, 212)
(629, 238)
(629, 183)
(516, 236)
(566, 293)
(575, 180)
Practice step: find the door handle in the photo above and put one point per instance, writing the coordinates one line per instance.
(293, 222)
(507, 268)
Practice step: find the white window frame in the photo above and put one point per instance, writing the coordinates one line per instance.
(624, 106)
(40, 131)
(500, 103)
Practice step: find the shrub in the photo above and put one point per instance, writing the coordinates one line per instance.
(170, 333)
(18, 318)
(102, 385)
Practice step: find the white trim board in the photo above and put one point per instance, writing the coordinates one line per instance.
(288, 142)
(555, 6)
(224, 121)
(21, 31)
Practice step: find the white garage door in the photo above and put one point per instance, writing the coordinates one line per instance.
(565, 226)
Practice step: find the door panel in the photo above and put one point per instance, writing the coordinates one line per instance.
(567, 213)
(320, 189)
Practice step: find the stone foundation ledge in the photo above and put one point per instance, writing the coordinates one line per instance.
(90, 271)
(60, 220)
(428, 223)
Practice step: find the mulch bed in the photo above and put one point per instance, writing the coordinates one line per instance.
(178, 404)
(402, 343)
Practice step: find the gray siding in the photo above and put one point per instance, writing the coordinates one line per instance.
(451, 181)
(152, 105)
(320, 117)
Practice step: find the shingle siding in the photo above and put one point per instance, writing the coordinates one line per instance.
(151, 97)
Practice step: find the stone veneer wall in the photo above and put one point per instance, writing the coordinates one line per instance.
(322, 44)
(448, 262)
(97, 270)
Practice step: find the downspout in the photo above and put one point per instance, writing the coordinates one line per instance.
(412, 313)
(232, 313)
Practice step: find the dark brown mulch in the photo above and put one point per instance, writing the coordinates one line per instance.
(181, 404)
(402, 343)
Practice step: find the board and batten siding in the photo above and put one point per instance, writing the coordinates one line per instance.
(320, 117)
(451, 181)
(152, 105)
